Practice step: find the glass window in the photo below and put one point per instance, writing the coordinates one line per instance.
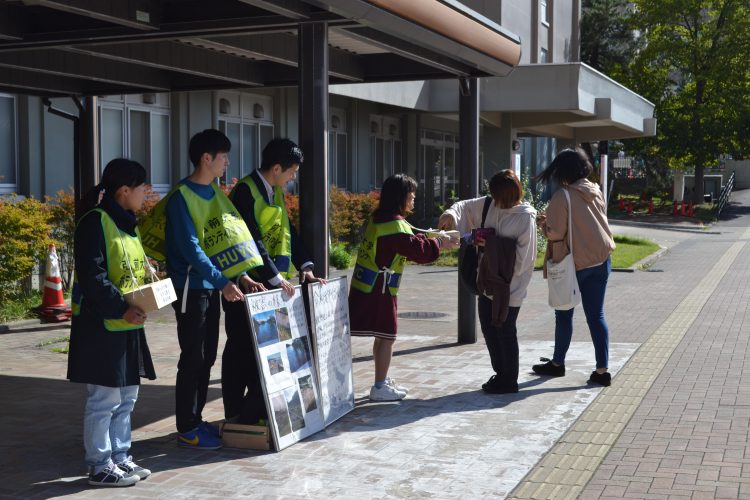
(159, 149)
(266, 134)
(543, 55)
(234, 170)
(110, 135)
(139, 138)
(341, 161)
(250, 154)
(543, 11)
(7, 140)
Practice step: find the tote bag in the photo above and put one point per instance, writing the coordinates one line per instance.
(561, 276)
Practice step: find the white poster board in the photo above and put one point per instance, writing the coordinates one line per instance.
(287, 371)
(333, 347)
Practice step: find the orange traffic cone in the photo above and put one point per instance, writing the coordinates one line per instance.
(53, 308)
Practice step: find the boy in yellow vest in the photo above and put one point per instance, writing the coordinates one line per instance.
(259, 198)
(209, 251)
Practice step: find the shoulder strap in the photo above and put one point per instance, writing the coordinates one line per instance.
(570, 220)
(486, 209)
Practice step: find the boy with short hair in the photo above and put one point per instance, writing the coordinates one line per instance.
(209, 250)
(259, 198)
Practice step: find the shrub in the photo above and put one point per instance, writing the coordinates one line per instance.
(339, 256)
(292, 208)
(349, 213)
(25, 234)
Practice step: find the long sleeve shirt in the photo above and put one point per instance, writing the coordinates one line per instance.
(183, 248)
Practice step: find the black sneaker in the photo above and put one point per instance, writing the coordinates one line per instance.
(112, 476)
(604, 379)
(548, 368)
(492, 380)
(131, 468)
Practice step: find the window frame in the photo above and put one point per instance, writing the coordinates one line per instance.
(8, 187)
(126, 108)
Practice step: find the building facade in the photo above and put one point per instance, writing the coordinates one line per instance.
(375, 129)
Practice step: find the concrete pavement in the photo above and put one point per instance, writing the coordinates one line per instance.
(674, 423)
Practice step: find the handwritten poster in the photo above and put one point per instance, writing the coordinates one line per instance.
(333, 348)
(284, 356)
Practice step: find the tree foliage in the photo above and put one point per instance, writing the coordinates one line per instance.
(608, 41)
(693, 66)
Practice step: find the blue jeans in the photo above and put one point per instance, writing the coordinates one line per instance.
(593, 283)
(106, 424)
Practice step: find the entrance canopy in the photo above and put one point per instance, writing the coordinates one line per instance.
(98, 47)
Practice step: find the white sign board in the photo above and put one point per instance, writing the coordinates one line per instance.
(287, 371)
(333, 347)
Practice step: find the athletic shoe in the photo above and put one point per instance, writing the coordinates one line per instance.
(131, 468)
(392, 383)
(209, 429)
(549, 368)
(112, 476)
(604, 379)
(198, 438)
(386, 393)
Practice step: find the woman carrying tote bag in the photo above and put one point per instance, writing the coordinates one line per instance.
(577, 214)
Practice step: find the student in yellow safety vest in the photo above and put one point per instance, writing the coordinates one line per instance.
(259, 198)
(209, 251)
(388, 243)
(108, 350)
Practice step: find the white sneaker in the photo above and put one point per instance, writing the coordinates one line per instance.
(131, 468)
(386, 393)
(392, 383)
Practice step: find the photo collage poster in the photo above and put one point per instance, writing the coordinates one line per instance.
(333, 347)
(288, 372)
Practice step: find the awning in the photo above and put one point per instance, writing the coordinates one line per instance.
(569, 101)
(83, 47)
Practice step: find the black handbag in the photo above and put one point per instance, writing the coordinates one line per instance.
(468, 257)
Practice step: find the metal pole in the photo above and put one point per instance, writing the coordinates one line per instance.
(468, 187)
(313, 139)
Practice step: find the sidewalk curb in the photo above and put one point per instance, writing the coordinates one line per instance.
(666, 227)
(23, 323)
(649, 259)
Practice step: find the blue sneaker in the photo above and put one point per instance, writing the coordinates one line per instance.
(209, 429)
(198, 438)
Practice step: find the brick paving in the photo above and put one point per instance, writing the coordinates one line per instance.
(687, 437)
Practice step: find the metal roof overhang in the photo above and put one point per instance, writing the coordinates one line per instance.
(98, 47)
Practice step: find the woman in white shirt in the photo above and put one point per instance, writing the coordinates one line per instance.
(511, 217)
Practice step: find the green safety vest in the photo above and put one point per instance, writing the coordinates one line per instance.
(126, 268)
(273, 222)
(366, 270)
(222, 234)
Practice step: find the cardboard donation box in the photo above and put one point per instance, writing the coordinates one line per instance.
(254, 437)
(152, 296)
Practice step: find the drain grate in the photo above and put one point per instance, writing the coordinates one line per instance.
(421, 315)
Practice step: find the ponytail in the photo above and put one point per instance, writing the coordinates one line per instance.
(118, 172)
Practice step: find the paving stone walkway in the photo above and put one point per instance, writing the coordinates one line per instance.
(674, 424)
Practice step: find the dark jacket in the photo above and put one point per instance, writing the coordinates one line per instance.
(98, 356)
(245, 203)
(495, 273)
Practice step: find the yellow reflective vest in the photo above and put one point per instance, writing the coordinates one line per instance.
(366, 270)
(273, 223)
(221, 232)
(126, 268)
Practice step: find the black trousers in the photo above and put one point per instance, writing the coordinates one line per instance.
(240, 376)
(198, 335)
(502, 342)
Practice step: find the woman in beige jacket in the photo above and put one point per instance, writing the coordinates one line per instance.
(593, 244)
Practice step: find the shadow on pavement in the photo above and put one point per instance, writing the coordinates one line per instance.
(42, 423)
(371, 415)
